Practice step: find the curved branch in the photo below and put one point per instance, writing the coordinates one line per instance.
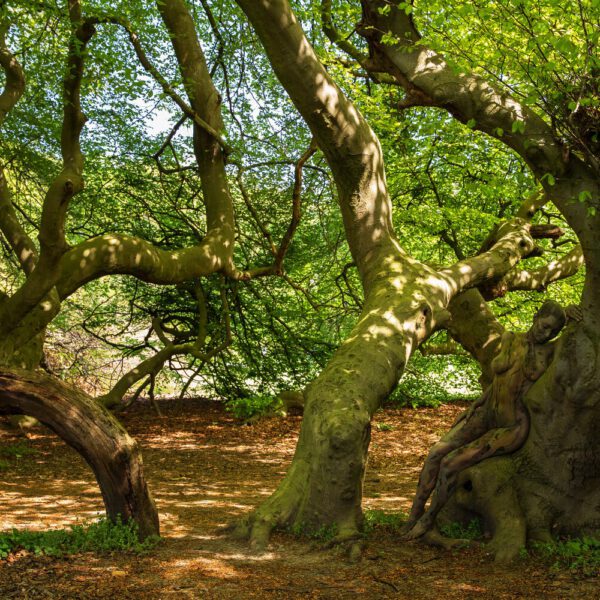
(127, 255)
(350, 146)
(334, 35)
(541, 278)
(16, 236)
(158, 77)
(152, 366)
(513, 243)
(296, 208)
(206, 102)
(91, 430)
(468, 97)
(532, 204)
(65, 186)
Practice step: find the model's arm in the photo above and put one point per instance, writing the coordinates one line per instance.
(573, 313)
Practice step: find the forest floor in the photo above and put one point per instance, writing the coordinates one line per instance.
(206, 470)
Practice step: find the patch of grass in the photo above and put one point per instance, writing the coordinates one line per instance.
(253, 406)
(100, 537)
(577, 554)
(17, 450)
(458, 531)
(378, 519)
(384, 427)
(326, 533)
(12, 452)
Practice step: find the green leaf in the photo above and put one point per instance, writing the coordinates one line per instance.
(518, 127)
(388, 38)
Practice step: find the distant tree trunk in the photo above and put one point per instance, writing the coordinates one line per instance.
(93, 432)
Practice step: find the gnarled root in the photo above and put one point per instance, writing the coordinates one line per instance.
(434, 538)
(487, 489)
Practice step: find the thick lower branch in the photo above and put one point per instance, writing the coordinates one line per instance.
(91, 430)
(127, 255)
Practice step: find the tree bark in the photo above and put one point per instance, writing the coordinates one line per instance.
(551, 486)
(93, 432)
(405, 300)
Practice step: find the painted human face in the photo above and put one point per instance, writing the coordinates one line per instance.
(544, 329)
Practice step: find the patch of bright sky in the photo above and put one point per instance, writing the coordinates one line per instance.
(159, 121)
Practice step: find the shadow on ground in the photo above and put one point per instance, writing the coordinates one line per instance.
(205, 471)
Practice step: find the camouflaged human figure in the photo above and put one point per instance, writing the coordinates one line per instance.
(497, 423)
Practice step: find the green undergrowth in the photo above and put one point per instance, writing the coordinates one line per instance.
(379, 520)
(17, 450)
(253, 407)
(100, 537)
(374, 520)
(384, 427)
(11, 452)
(458, 531)
(581, 555)
(435, 380)
(326, 533)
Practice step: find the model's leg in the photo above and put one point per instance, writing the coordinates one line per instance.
(497, 441)
(463, 432)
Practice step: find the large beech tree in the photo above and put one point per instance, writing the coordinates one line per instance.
(405, 300)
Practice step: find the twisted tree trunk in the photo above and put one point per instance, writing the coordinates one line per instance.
(551, 486)
(91, 430)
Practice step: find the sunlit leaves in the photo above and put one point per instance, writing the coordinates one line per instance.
(544, 53)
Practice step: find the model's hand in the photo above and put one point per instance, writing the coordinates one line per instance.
(574, 313)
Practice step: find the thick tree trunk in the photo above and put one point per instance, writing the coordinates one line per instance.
(91, 430)
(323, 487)
(404, 304)
(552, 484)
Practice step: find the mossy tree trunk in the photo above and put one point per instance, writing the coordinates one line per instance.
(550, 486)
(405, 300)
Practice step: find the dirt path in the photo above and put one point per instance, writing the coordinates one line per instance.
(205, 470)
